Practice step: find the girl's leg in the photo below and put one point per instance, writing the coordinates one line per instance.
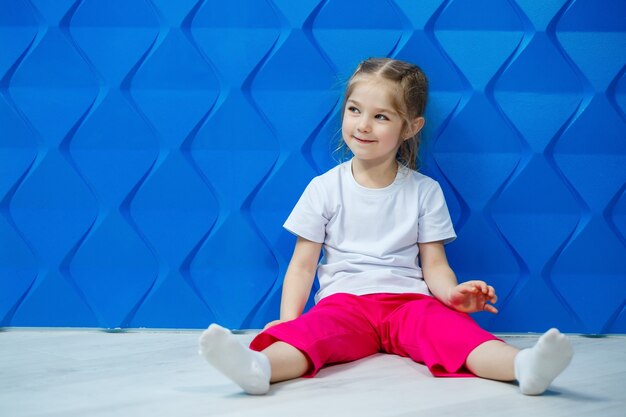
(332, 331)
(534, 368)
(286, 362)
(493, 360)
(253, 371)
(445, 340)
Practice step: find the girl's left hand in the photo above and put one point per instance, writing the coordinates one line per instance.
(472, 296)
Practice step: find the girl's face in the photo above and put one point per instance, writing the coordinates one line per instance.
(371, 127)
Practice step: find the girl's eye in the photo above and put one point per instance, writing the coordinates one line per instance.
(353, 109)
(381, 117)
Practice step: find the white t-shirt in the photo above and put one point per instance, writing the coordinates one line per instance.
(370, 235)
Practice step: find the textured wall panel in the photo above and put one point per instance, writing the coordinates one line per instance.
(150, 151)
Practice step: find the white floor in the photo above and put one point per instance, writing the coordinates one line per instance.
(52, 372)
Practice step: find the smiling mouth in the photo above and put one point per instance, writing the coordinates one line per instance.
(363, 140)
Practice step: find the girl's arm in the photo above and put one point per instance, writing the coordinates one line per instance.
(468, 297)
(298, 280)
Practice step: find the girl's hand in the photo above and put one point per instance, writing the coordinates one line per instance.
(272, 323)
(472, 296)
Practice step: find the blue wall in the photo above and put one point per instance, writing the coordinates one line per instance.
(151, 149)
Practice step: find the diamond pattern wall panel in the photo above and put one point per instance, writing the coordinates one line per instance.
(150, 151)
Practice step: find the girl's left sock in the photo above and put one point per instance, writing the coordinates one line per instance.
(247, 368)
(536, 368)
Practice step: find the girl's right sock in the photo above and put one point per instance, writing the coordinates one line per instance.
(247, 368)
(536, 367)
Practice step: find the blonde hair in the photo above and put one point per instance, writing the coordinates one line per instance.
(409, 102)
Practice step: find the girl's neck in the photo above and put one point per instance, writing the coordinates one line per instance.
(374, 174)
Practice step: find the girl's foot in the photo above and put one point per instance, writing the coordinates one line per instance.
(247, 368)
(536, 368)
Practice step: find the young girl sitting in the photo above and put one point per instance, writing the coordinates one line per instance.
(385, 282)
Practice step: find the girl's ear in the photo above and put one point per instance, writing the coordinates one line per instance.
(416, 125)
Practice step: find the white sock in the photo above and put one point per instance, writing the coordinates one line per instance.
(536, 367)
(247, 368)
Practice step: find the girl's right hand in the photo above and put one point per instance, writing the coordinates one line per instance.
(272, 323)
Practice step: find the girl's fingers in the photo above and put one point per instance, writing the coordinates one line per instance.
(490, 309)
(479, 286)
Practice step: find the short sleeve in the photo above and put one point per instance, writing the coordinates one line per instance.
(434, 223)
(307, 217)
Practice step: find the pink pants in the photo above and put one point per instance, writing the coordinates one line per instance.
(345, 327)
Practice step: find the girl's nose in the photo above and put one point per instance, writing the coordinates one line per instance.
(363, 125)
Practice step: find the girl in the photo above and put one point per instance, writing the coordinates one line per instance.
(385, 282)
